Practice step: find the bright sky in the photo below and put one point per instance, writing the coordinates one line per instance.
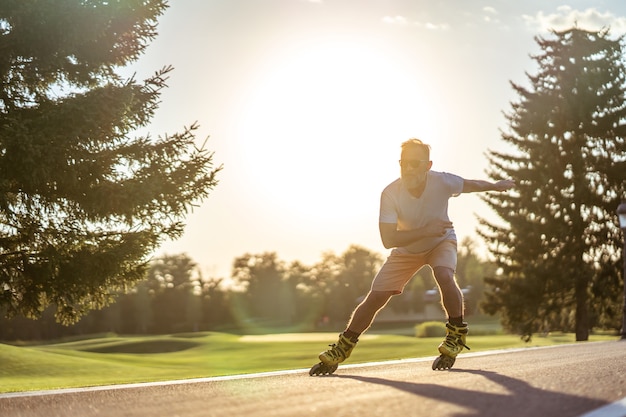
(306, 103)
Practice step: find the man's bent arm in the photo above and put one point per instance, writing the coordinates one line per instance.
(394, 238)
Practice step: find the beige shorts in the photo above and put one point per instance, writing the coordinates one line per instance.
(400, 267)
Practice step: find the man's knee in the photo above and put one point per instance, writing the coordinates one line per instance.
(444, 275)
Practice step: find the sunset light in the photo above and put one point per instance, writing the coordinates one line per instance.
(317, 121)
(305, 103)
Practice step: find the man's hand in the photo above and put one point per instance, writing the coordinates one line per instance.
(503, 185)
(436, 228)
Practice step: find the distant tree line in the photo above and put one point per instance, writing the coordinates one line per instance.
(263, 294)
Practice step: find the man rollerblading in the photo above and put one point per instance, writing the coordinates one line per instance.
(331, 358)
(413, 222)
(451, 346)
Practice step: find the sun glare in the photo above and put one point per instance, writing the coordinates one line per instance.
(324, 123)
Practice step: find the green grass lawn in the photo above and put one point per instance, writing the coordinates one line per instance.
(107, 360)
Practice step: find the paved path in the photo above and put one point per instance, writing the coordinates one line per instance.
(564, 381)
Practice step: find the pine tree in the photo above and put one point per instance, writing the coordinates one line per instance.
(559, 251)
(84, 202)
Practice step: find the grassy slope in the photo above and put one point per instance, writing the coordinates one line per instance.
(117, 360)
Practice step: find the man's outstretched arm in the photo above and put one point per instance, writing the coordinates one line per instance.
(473, 186)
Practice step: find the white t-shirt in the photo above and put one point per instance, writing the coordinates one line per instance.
(398, 206)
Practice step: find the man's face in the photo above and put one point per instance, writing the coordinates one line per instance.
(414, 166)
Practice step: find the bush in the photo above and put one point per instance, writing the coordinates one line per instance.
(430, 329)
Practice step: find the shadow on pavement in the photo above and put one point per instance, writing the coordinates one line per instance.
(522, 399)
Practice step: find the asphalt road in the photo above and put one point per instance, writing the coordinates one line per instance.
(564, 381)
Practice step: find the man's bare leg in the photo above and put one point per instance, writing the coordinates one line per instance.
(456, 328)
(361, 319)
(451, 294)
(364, 314)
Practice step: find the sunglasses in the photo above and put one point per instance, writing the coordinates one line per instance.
(414, 163)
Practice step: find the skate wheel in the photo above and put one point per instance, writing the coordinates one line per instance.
(443, 362)
(322, 369)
